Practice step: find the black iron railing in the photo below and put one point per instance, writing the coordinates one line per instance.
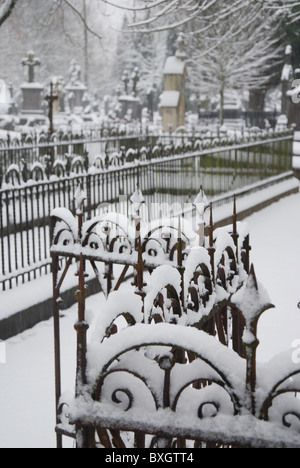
(166, 175)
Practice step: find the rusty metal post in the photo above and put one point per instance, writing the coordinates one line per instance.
(235, 234)
(57, 358)
(180, 261)
(211, 324)
(246, 249)
(211, 249)
(81, 327)
(251, 348)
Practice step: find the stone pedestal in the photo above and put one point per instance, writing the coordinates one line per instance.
(76, 92)
(32, 98)
(130, 107)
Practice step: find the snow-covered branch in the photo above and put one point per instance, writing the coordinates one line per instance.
(288, 9)
(82, 18)
(238, 52)
(162, 15)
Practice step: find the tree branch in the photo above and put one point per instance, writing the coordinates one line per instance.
(148, 6)
(6, 8)
(80, 15)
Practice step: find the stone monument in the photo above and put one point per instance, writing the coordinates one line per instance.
(75, 88)
(287, 77)
(173, 98)
(290, 85)
(12, 108)
(129, 102)
(59, 89)
(31, 91)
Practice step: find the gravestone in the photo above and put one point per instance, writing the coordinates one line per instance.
(75, 88)
(31, 91)
(173, 98)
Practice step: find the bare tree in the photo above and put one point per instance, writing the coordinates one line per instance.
(80, 10)
(172, 14)
(239, 52)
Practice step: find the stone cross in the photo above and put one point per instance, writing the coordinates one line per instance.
(135, 79)
(30, 61)
(125, 79)
(50, 98)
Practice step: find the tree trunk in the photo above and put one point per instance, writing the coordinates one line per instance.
(221, 113)
(86, 46)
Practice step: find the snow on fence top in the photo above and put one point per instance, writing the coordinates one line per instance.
(174, 354)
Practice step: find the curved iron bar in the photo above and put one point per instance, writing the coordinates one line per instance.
(63, 219)
(111, 330)
(99, 382)
(58, 235)
(96, 394)
(129, 395)
(289, 413)
(263, 412)
(59, 169)
(212, 403)
(86, 241)
(117, 238)
(36, 169)
(11, 173)
(144, 247)
(221, 383)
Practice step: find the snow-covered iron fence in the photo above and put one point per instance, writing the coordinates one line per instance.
(164, 176)
(169, 361)
(32, 151)
(27, 151)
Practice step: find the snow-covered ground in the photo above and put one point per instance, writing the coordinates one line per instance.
(27, 407)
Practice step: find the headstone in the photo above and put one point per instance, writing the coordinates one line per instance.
(173, 98)
(75, 88)
(31, 91)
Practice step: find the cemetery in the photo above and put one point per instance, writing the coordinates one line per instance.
(126, 224)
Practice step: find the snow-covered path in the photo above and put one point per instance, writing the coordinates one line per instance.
(275, 240)
(27, 405)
